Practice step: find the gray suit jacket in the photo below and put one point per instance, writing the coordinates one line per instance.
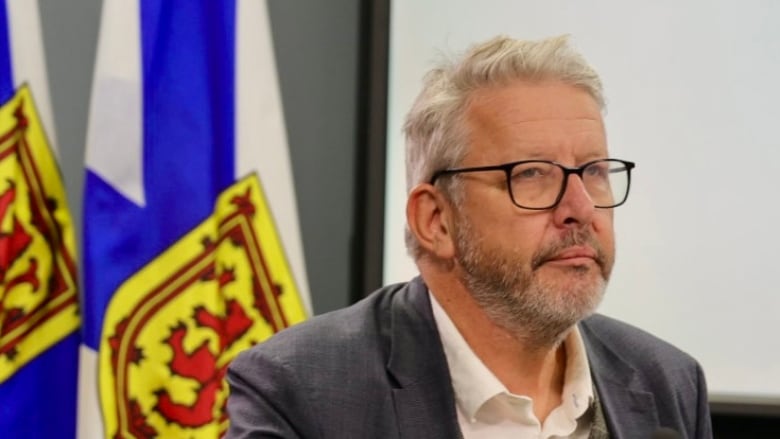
(377, 370)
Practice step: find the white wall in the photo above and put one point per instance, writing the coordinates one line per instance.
(693, 96)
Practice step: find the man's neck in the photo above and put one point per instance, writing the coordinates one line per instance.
(525, 368)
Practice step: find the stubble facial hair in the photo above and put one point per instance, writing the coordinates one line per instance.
(536, 310)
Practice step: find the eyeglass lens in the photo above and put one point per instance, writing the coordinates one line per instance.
(539, 184)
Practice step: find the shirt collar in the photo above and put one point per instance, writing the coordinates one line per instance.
(474, 384)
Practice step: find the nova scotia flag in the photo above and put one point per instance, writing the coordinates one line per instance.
(39, 317)
(191, 243)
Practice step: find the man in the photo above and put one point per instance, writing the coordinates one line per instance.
(510, 220)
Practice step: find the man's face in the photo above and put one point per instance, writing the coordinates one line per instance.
(534, 272)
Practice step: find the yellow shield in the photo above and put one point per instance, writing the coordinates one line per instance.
(171, 329)
(38, 300)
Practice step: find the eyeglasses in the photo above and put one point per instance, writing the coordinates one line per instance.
(540, 184)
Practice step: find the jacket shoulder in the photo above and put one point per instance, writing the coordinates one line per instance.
(325, 377)
(351, 329)
(627, 360)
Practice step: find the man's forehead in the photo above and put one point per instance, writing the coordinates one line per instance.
(525, 121)
(530, 101)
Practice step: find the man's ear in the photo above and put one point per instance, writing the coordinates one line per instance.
(429, 217)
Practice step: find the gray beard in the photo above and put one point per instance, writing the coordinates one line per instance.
(512, 295)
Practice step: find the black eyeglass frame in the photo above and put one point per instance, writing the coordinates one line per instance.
(578, 171)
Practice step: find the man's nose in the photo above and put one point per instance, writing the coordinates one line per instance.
(576, 206)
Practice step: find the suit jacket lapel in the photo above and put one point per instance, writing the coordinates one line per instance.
(424, 400)
(628, 406)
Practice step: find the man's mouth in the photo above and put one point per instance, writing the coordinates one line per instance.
(575, 253)
(572, 256)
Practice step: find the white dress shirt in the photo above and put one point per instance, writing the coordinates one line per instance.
(486, 409)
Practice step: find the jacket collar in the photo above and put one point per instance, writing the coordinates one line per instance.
(628, 405)
(423, 399)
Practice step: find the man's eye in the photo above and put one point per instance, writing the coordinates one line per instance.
(600, 170)
(529, 173)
